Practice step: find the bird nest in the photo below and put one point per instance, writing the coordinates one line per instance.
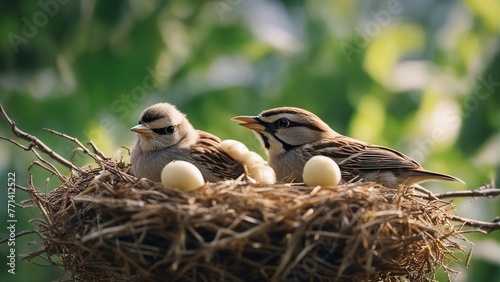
(106, 224)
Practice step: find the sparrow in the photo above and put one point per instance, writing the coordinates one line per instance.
(291, 136)
(165, 134)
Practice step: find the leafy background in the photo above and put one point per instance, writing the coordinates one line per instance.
(419, 76)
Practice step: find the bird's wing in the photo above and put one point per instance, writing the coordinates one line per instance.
(207, 152)
(353, 154)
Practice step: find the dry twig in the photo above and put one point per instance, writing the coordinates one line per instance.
(34, 142)
(486, 190)
(485, 226)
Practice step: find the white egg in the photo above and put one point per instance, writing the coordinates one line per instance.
(257, 167)
(322, 171)
(262, 174)
(182, 175)
(235, 149)
(252, 158)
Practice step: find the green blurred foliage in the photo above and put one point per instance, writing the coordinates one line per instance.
(419, 76)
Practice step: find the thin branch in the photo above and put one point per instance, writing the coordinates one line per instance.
(26, 148)
(127, 149)
(481, 192)
(428, 194)
(484, 225)
(96, 150)
(487, 190)
(52, 168)
(77, 142)
(25, 189)
(22, 233)
(47, 168)
(35, 142)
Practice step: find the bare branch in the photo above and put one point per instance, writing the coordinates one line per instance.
(20, 234)
(35, 142)
(96, 150)
(77, 142)
(52, 168)
(428, 194)
(25, 189)
(487, 190)
(26, 148)
(127, 149)
(49, 169)
(483, 225)
(481, 192)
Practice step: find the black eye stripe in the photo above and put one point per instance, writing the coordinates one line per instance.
(286, 146)
(265, 140)
(160, 131)
(274, 126)
(164, 130)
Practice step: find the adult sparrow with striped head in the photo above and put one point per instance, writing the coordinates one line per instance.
(165, 134)
(291, 136)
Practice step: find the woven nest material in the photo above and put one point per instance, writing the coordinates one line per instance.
(106, 224)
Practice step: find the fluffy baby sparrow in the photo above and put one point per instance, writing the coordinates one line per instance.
(292, 136)
(164, 135)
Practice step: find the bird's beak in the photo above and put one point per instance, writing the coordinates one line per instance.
(250, 122)
(141, 129)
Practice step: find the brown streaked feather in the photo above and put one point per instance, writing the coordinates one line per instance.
(207, 152)
(289, 110)
(358, 160)
(353, 154)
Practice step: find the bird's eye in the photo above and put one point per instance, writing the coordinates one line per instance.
(170, 129)
(164, 130)
(283, 122)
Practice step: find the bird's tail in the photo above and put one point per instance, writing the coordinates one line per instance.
(427, 175)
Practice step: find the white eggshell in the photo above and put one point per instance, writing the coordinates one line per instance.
(252, 158)
(182, 175)
(321, 170)
(235, 149)
(262, 174)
